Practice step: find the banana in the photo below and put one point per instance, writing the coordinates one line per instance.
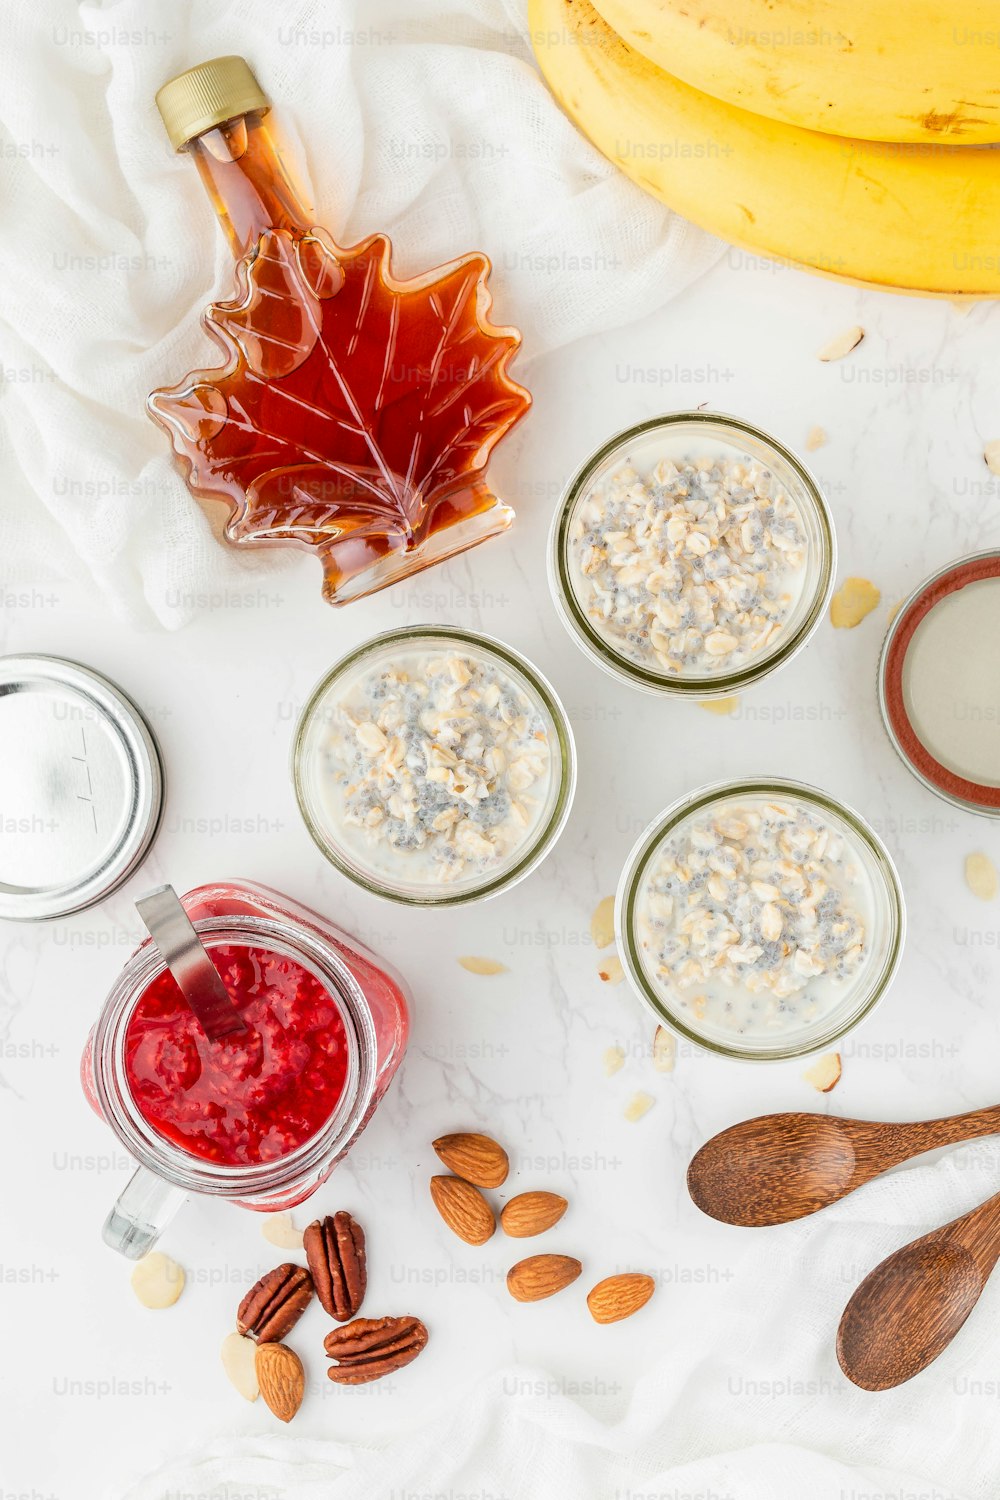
(914, 218)
(884, 70)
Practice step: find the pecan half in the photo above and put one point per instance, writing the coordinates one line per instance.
(273, 1307)
(335, 1250)
(369, 1348)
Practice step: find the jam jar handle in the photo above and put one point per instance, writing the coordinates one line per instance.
(141, 1214)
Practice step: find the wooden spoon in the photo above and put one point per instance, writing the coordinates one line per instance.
(776, 1168)
(911, 1306)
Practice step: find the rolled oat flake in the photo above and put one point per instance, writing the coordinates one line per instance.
(81, 787)
(939, 682)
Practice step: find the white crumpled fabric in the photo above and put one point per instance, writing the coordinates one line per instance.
(424, 118)
(747, 1403)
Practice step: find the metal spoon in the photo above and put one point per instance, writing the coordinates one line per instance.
(908, 1310)
(776, 1168)
(186, 957)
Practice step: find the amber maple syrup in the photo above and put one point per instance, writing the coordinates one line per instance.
(355, 413)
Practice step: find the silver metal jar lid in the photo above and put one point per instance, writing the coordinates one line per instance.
(81, 787)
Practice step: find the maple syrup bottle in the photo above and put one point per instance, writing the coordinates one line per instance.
(354, 414)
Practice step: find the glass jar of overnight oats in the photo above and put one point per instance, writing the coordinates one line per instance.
(761, 919)
(434, 766)
(692, 554)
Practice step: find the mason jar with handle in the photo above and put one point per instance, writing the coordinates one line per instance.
(262, 1117)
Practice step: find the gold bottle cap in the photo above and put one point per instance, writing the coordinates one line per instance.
(208, 95)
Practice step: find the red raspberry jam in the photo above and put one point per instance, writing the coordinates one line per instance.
(253, 1096)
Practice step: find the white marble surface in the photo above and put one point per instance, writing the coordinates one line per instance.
(519, 1055)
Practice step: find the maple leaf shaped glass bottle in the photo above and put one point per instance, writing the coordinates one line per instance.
(355, 413)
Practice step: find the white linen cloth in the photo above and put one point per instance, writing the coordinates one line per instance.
(423, 118)
(747, 1404)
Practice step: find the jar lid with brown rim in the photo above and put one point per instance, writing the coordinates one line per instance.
(939, 682)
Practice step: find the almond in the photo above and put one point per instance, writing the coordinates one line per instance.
(855, 599)
(477, 1158)
(618, 1297)
(602, 923)
(614, 1061)
(238, 1356)
(532, 1213)
(842, 344)
(824, 1074)
(464, 1209)
(281, 1378)
(640, 1104)
(981, 876)
(157, 1280)
(541, 1276)
(482, 965)
(664, 1050)
(278, 1229)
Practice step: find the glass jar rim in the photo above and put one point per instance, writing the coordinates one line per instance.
(598, 649)
(683, 807)
(564, 764)
(197, 1174)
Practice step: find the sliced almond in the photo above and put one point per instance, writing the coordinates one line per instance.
(477, 1158)
(602, 923)
(281, 1378)
(541, 1276)
(614, 1061)
(639, 1105)
(618, 1297)
(664, 1050)
(279, 1229)
(981, 876)
(239, 1363)
(991, 456)
(824, 1075)
(482, 966)
(855, 599)
(464, 1209)
(721, 706)
(531, 1213)
(157, 1280)
(610, 970)
(842, 344)
(816, 438)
